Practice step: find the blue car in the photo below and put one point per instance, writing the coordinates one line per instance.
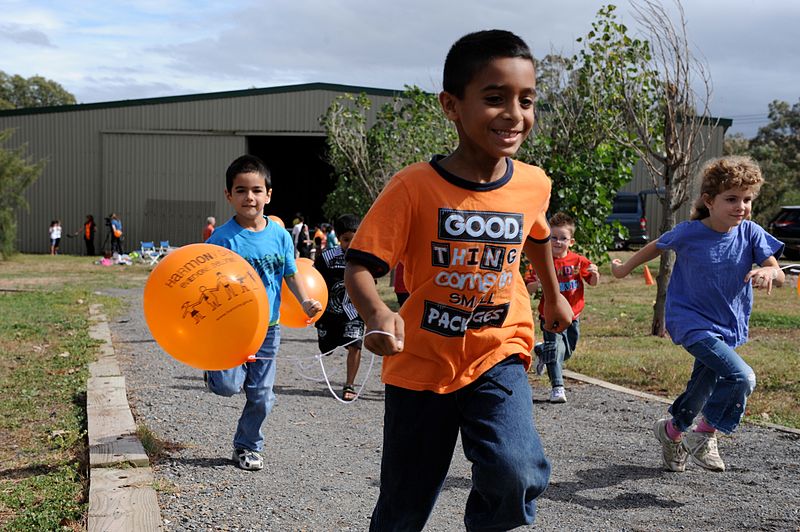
(628, 210)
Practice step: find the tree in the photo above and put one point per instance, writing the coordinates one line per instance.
(409, 129)
(777, 149)
(672, 142)
(571, 141)
(36, 91)
(17, 173)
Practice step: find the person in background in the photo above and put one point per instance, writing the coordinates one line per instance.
(209, 228)
(400, 291)
(330, 237)
(116, 233)
(55, 236)
(88, 231)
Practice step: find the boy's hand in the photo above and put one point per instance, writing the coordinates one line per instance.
(594, 274)
(388, 322)
(618, 269)
(311, 307)
(557, 313)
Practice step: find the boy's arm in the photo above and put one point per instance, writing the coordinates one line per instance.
(377, 316)
(594, 274)
(768, 275)
(557, 311)
(646, 254)
(310, 306)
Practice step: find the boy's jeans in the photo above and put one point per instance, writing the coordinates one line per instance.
(256, 378)
(719, 386)
(557, 348)
(495, 417)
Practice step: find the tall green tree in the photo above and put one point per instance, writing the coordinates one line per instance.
(36, 91)
(777, 149)
(17, 173)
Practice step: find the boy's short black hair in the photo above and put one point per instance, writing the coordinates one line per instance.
(474, 51)
(346, 223)
(244, 165)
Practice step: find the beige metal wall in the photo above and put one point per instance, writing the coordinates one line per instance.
(115, 157)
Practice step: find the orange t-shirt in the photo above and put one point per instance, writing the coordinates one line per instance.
(460, 243)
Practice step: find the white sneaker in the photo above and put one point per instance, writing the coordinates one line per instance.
(557, 395)
(702, 447)
(673, 452)
(247, 459)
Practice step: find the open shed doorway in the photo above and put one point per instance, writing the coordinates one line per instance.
(301, 179)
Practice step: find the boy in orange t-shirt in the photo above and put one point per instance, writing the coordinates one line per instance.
(459, 348)
(572, 270)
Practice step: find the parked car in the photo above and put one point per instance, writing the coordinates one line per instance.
(785, 226)
(628, 210)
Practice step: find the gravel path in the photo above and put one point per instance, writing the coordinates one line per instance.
(322, 457)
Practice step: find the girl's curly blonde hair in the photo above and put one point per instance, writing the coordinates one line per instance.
(725, 173)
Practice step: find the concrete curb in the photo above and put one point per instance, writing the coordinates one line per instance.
(121, 493)
(650, 397)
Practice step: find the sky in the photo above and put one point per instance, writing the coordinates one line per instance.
(116, 50)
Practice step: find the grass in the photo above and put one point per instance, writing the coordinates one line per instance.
(44, 351)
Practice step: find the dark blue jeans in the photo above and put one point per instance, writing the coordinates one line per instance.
(557, 348)
(720, 384)
(495, 417)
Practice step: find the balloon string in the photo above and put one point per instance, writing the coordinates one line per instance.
(319, 357)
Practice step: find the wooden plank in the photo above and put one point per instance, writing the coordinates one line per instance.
(106, 392)
(108, 423)
(123, 500)
(104, 367)
(117, 451)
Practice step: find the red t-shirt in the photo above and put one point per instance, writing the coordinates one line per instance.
(460, 243)
(571, 270)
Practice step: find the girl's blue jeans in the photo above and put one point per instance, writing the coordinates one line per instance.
(256, 379)
(719, 387)
(557, 348)
(495, 418)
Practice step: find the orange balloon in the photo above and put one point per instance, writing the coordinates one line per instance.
(305, 260)
(292, 314)
(276, 220)
(206, 307)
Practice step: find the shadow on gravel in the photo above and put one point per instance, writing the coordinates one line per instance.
(593, 479)
(201, 462)
(323, 392)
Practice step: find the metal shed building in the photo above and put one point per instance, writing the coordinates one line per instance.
(160, 163)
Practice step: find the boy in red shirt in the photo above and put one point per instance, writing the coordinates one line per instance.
(458, 351)
(572, 270)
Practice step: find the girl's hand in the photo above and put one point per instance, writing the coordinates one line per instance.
(618, 269)
(762, 278)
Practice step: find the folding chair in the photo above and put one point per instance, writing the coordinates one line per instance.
(149, 253)
(163, 247)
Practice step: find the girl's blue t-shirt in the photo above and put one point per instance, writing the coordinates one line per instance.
(707, 295)
(270, 251)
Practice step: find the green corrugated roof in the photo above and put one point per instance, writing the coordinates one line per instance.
(200, 97)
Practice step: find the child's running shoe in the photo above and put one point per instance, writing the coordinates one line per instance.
(247, 459)
(558, 395)
(673, 452)
(702, 447)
